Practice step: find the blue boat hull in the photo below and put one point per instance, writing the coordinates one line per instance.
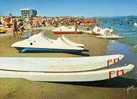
(23, 50)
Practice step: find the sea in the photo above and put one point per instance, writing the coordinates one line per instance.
(125, 27)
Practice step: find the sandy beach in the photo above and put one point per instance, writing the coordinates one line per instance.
(119, 88)
(104, 27)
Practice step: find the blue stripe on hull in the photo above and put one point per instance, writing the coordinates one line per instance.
(23, 50)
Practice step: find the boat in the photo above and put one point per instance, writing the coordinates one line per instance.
(112, 36)
(81, 76)
(105, 33)
(100, 31)
(60, 69)
(66, 40)
(66, 30)
(59, 64)
(97, 30)
(41, 43)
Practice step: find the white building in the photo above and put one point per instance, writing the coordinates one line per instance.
(26, 12)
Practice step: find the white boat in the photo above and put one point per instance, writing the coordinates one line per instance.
(41, 43)
(59, 69)
(105, 33)
(80, 76)
(66, 40)
(58, 64)
(112, 36)
(100, 31)
(97, 30)
(66, 30)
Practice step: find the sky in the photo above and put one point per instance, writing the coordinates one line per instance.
(88, 8)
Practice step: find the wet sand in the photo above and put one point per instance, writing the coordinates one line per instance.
(119, 88)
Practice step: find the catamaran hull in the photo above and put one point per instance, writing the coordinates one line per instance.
(27, 49)
(71, 64)
(81, 76)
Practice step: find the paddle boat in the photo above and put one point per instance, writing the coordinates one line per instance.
(66, 30)
(81, 76)
(105, 33)
(100, 31)
(41, 43)
(78, 69)
(60, 64)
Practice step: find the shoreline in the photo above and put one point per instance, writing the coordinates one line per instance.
(130, 56)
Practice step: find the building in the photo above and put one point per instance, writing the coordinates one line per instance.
(28, 12)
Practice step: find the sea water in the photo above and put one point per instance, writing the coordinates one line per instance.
(125, 27)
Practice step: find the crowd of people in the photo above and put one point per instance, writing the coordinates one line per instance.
(19, 24)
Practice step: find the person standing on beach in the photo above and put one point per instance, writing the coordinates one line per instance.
(15, 28)
(76, 26)
(21, 27)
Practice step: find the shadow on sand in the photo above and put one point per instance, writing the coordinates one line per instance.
(119, 82)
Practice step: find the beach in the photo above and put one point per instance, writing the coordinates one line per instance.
(73, 29)
(118, 88)
(22, 89)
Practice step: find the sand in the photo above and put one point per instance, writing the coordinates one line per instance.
(24, 89)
